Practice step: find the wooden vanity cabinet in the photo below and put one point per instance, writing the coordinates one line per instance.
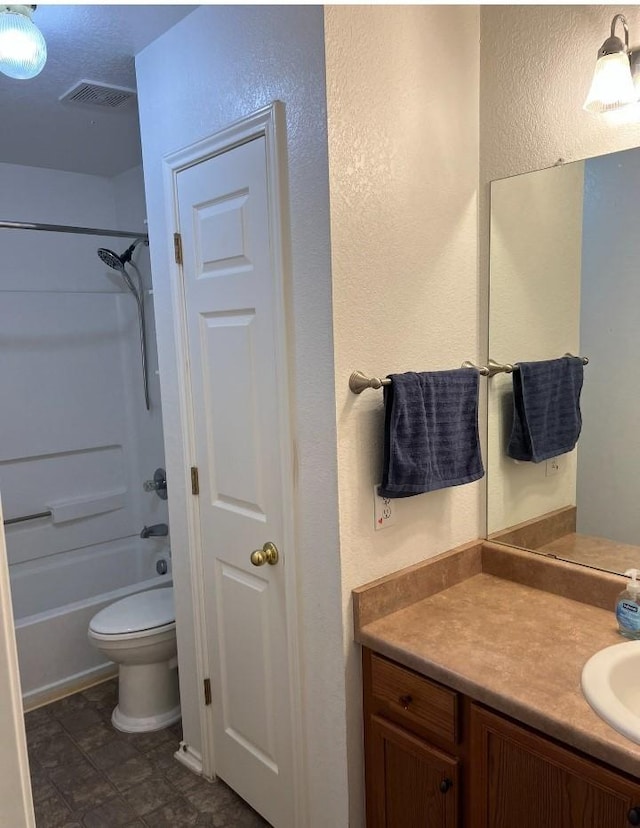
(435, 759)
(520, 778)
(412, 764)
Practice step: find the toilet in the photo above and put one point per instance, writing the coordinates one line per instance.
(139, 634)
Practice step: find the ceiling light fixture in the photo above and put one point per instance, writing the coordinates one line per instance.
(23, 51)
(613, 82)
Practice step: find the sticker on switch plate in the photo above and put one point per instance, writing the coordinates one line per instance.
(552, 467)
(384, 510)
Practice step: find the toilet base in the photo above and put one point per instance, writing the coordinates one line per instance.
(148, 697)
(129, 724)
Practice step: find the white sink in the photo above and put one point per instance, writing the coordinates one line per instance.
(611, 685)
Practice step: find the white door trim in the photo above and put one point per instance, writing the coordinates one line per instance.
(270, 123)
(16, 801)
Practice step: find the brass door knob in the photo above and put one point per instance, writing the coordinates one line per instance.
(267, 555)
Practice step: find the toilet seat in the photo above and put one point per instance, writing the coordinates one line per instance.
(136, 615)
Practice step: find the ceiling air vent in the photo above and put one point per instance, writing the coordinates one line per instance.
(90, 93)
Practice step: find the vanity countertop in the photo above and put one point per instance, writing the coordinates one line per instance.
(483, 630)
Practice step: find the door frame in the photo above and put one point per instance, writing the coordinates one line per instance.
(16, 803)
(268, 122)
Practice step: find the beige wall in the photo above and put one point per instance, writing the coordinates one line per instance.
(534, 313)
(536, 67)
(402, 111)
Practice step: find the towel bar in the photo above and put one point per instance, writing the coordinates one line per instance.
(23, 518)
(359, 382)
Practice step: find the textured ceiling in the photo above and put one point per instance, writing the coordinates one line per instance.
(96, 43)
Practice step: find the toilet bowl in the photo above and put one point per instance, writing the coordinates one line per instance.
(139, 634)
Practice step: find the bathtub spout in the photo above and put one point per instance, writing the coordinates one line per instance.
(158, 530)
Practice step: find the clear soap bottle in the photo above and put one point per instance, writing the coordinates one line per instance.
(628, 607)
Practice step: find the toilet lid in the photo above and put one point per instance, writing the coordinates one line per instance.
(144, 611)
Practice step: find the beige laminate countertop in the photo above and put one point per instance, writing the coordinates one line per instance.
(513, 647)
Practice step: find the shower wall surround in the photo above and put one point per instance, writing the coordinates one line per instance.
(73, 425)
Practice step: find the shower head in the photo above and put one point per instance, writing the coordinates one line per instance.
(116, 262)
(111, 259)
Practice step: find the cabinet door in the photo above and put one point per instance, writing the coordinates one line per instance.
(411, 784)
(521, 779)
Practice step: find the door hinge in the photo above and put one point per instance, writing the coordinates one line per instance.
(177, 247)
(195, 481)
(207, 691)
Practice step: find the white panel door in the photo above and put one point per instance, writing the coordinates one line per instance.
(231, 296)
(16, 804)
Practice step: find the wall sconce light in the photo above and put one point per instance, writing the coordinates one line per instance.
(613, 85)
(23, 51)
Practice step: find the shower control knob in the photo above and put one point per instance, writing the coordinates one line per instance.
(158, 484)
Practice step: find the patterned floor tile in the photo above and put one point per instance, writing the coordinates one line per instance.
(81, 786)
(113, 813)
(36, 717)
(86, 774)
(115, 752)
(95, 737)
(52, 812)
(150, 795)
(80, 720)
(56, 751)
(177, 814)
(129, 773)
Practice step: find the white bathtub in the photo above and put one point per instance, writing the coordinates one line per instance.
(55, 598)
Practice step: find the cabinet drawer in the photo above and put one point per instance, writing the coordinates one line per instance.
(413, 699)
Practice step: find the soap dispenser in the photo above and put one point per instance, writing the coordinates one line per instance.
(628, 607)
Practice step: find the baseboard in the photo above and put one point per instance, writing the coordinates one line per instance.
(68, 686)
(189, 757)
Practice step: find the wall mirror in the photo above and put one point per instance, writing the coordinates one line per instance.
(565, 277)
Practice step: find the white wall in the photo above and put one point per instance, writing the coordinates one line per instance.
(216, 66)
(609, 451)
(73, 410)
(403, 165)
(534, 314)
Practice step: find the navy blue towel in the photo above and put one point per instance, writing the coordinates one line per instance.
(430, 432)
(546, 408)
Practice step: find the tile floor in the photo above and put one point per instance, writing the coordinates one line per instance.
(85, 774)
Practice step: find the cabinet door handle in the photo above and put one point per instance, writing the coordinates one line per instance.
(405, 701)
(445, 785)
(633, 817)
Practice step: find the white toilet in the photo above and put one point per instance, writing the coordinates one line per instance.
(139, 634)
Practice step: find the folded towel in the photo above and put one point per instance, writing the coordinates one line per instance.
(546, 408)
(430, 432)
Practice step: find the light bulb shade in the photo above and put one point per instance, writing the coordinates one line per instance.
(612, 86)
(23, 51)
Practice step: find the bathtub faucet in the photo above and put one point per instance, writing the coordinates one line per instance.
(158, 530)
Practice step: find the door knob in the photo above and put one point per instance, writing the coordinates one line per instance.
(268, 554)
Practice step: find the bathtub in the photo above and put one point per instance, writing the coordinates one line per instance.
(55, 598)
